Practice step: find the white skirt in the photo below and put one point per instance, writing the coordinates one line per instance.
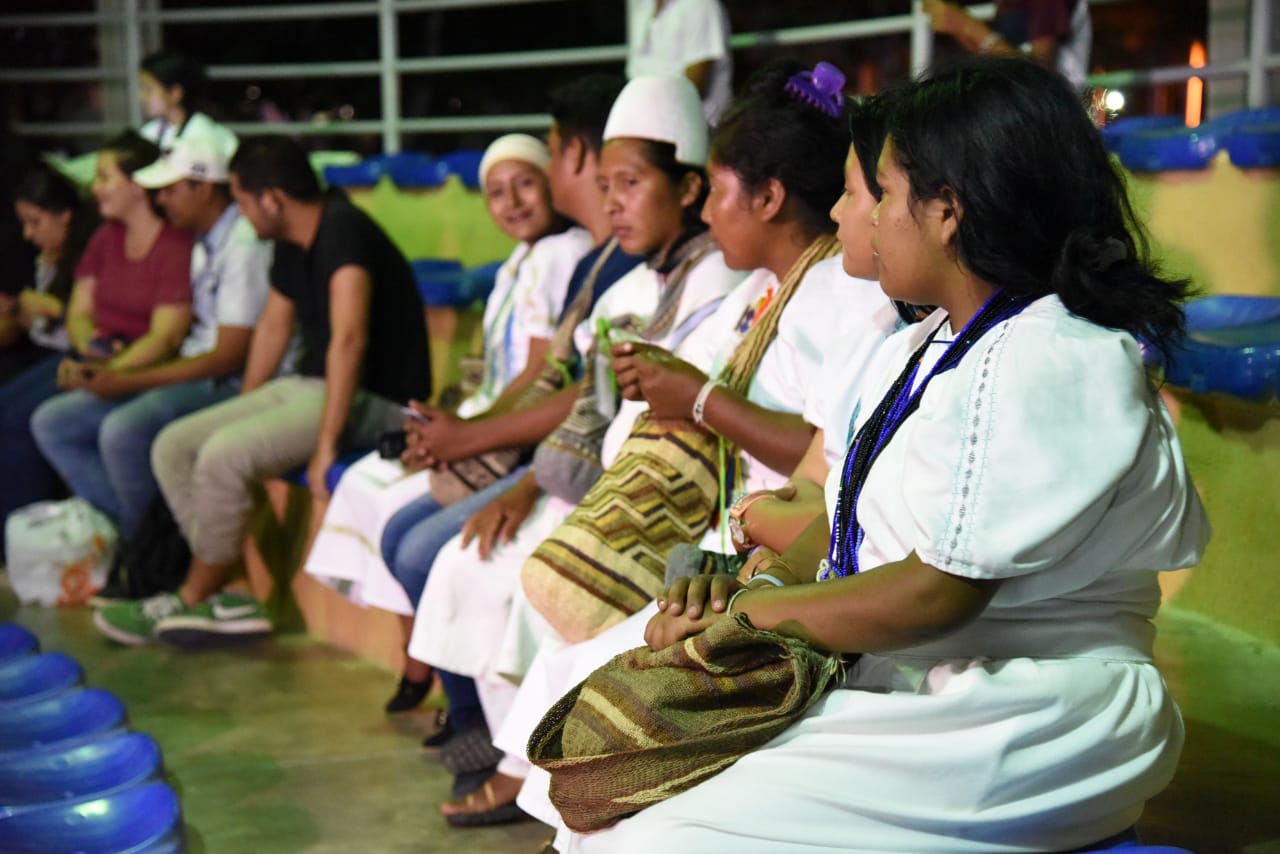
(983, 755)
(347, 553)
(463, 615)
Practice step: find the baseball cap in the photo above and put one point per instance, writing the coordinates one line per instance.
(197, 158)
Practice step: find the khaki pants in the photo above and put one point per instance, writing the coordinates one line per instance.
(207, 463)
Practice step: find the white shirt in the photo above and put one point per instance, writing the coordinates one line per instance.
(1044, 459)
(45, 331)
(163, 133)
(526, 302)
(684, 33)
(230, 277)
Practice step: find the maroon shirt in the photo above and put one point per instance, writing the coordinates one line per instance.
(125, 291)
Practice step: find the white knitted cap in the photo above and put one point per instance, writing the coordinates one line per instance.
(515, 146)
(662, 109)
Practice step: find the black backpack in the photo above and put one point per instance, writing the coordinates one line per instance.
(154, 560)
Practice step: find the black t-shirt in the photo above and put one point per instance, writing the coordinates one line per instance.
(397, 363)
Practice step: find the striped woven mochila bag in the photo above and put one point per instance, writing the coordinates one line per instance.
(648, 725)
(607, 560)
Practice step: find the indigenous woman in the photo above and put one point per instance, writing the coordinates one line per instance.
(654, 183)
(519, 318)
(848, 322)
(997, 525)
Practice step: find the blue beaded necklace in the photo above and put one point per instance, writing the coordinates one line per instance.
(902, 399)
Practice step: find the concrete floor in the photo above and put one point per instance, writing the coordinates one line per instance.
(283, 747)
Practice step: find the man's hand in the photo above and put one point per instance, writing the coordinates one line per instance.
(318, 471)
(501, 519)
(644, 372)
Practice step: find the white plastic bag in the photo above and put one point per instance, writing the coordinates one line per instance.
(58, 552)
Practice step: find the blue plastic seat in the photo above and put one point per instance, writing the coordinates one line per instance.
(15, 641)
(34, 676)
(46, 774)
(298, 476)
(478, 282)
(439, 280)
(1160, 150)
(1113, 132)
(363, 174)
(415, 170)
(1254, 146)
(144, 818)
(1232, 346)
(465, 164)
(81, 713)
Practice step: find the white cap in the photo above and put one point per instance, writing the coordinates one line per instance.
(662, 109)
(198, 158)
(515, 146)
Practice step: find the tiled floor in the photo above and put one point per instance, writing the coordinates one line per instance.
(283, 747)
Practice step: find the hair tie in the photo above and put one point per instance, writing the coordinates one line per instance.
(822, 88)
(1111, 252)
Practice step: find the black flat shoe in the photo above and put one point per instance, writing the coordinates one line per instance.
(409, 695)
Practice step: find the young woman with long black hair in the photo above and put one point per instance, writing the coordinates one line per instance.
(1013, 489)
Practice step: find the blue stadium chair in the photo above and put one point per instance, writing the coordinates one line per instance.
(138, 819)
(1232, 346)
(299, 475)
(44, 775)
(477, 282)
(1113, 132)
(414, 170)
(15, 641)
(1161, 150)
(439, 280)
(363, 174)
(81, 713)
(466, 165)
(1254, 146)
(35, 676)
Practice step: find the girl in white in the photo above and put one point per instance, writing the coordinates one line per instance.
(519, 318)
(998, 523)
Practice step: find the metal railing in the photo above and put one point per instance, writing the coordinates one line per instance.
(389, 66)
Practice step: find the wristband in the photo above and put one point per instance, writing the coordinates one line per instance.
(764, 576)
(992, 39)
(728, 609)
(700, 403)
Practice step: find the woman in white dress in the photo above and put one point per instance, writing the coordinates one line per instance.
(998, 523)
(379, 501)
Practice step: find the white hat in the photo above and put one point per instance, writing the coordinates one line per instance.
(515, 146)
(197, 158)
(663, 109)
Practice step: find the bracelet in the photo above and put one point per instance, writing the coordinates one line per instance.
(992, 39)
(728, 609)
(764, 576)
(700, 403)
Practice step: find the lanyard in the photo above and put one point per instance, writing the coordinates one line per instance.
(902, 399)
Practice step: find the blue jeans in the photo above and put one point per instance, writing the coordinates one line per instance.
(102, 448)
(24, 475)
(411, 539)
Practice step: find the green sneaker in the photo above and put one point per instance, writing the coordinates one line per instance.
(222, 618)
(134, 623)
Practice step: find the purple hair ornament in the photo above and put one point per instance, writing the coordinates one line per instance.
(821, 88)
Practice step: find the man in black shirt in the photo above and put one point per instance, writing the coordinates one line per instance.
(363, 356)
